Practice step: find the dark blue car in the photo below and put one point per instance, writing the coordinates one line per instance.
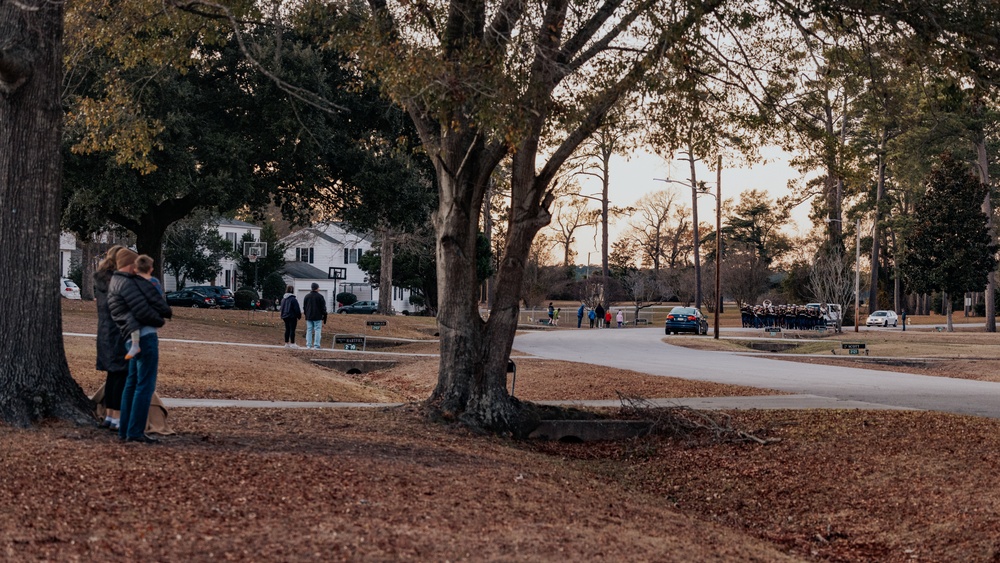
(686, 319)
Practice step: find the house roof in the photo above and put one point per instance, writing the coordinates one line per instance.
(304, 271)
(308, 235)
(223, 222)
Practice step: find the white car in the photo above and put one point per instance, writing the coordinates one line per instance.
(882, 318)
(68, 289)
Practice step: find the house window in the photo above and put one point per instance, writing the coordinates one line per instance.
(231, 237)
(229, 274)
(304, 255)
(351, 255)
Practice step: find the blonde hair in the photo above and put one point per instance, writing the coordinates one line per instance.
(109, 263)
(125, 258)
(144, 264)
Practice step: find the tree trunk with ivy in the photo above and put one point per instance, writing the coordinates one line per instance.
(35, 381)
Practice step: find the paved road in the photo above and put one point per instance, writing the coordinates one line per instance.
(642, 350)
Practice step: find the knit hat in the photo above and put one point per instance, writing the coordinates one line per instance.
(125, 258)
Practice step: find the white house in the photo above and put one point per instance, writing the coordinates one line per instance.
(69, 255)
(327, 253)
(233, 231)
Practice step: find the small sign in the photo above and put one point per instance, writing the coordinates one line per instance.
(773, 329)
(349, 342)
(377, 325)
(853, 348)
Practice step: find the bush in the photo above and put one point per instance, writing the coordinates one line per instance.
(346, 298)
(274, 287)
(245, 298)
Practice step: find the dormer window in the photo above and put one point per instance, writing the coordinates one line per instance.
(304, 255)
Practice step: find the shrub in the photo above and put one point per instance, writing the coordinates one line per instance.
(345, 298)
(274, 287)
(245, 298)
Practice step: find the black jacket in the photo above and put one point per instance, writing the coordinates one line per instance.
(290, 307)
(135, 303)
(110, 344)
(314, 307)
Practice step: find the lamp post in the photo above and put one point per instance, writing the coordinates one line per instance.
(857, 267)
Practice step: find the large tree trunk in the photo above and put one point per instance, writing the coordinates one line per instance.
(89, 250)
(149, 241)
(876, 230)
(35, 382)
(983, 165)
(385, 273)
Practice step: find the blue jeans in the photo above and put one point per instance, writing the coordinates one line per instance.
(314, 330)
(139, 386)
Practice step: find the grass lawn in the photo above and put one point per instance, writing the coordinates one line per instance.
(387, 484)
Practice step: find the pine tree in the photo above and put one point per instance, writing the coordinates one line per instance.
(949, 247)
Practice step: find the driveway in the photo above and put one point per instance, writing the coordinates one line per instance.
(642, 350)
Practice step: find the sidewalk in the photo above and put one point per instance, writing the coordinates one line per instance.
(764, 402)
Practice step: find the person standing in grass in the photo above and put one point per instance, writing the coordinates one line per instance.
(136, 304)
(290, 314)
(110, 344)
(314, 309)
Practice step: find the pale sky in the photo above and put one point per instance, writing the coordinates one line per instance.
(633, 177)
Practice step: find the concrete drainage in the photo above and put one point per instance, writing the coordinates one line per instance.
(590, 430)
(354, 367)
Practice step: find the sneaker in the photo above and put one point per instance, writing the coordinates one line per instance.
(315, 347)
(293, 345)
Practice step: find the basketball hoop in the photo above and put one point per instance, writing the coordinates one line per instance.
(252, 258)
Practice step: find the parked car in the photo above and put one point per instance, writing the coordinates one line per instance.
(189, 298)
(223, 295)
(882, 318)
(69, 289)
(359, 308)
(686, 319)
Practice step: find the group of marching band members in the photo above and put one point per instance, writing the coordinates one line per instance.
(790, 317)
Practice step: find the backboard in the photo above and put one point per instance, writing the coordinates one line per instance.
(336, 273)
(258, 249)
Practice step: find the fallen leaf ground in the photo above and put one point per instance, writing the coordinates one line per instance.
(385, 484)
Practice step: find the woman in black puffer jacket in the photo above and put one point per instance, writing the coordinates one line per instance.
(110, 344)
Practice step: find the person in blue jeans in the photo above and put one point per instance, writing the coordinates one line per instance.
(314, 310)
(136, 305)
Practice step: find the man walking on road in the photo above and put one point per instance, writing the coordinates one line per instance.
(314, 308)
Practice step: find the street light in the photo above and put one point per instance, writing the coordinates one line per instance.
(857, 267)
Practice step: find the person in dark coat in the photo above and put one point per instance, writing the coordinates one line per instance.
(136, 304)
(599, 315)
(110, 344)
(314, 310)
(290, 313)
